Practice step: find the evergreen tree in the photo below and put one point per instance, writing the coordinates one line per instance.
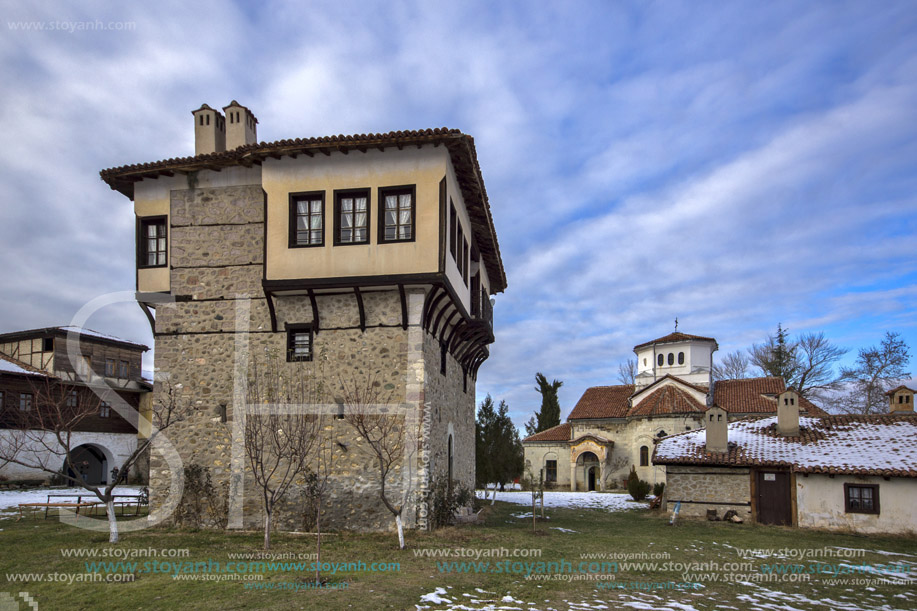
(549, 416)
(498, 449)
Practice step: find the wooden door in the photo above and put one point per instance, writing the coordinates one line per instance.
(773, 498)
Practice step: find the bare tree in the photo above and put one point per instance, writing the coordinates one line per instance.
(42, 437)
(815, 358)
(279, 435)
(734, 366)
(627, 371)
(318, 479)
(875, 371)
(390, 437)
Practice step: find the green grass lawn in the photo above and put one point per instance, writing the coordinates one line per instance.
(34, 546)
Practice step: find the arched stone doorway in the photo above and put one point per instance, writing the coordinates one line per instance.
(90, 463)
(587, 471)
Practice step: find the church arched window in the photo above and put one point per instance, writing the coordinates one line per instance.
(681, 358)
(671, 359)
(644, 456)
(660, 360)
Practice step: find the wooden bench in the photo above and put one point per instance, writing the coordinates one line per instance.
(49, 505)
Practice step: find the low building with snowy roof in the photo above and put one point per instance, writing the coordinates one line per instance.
(92, 376)
(612, 428)
(851, 473)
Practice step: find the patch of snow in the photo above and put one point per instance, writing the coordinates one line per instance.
(435, 597)
(563, 530)
(10, 499)
(609, 501)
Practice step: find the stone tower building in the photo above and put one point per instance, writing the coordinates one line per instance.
(369, 258)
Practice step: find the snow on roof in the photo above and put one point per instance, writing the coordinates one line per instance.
(858, 445)
(11, 365)
(91, 333)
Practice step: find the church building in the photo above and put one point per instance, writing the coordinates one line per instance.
(612, 428)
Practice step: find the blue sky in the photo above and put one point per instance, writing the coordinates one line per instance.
(734, 164)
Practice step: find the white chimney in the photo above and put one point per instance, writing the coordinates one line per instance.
(788, 413)
(209, 131)
(241, 126)
(715, 424)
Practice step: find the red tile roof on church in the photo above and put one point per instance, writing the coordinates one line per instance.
(755, 396)
(677, 336)
(669, 399)
(560, 432)
(603, 402)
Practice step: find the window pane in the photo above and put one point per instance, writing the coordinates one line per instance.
(389, 233)
(404, 232)
(346, 204)
(316, 237)
(391, 202)
(405, 201)
(360, 219)
(389, 218)
(346, 235)
(346, 220)
(360, 235)
(316, 206)
(360, 203)
(316, 222)
(302, 207)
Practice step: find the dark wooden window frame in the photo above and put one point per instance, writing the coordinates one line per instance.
(73, 399)
(143, 222)
(644, 456)
(397, 190)
(292, 332)
(110, 367)
(338, 194)
(25, 401)
(124, 369)
(875, 498)
(550, 471)
(310, 195)
(104, 409)
(47, 344)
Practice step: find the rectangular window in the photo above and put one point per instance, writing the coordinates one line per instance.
(550, 470)
(73, 399)
(47, 344)
(307, 219)
(452, 226)
(396, 221)
(351, 217)
(1, 401)
(459, 260)
(110, 368)
(299, 343)
(104, 410)
(124, 369)
(465, 263)
(152, 242)
(861, 498)
(25, 401)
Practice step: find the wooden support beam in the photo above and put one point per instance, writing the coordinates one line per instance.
(315, 322)
(270, 308)
(404, 307)
(359, 296)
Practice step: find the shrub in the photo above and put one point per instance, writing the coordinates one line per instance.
(658, 489)
(443, 502)
(201, 500)
(637, 488)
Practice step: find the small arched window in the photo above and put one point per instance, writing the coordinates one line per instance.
(644, 456)
(661, 434)
(681, 358)
(660, 360)
(671, 359)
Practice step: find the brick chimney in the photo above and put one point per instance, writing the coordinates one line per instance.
(209, 131)
(715, 425)
(788, 413)
(901, 400)
(241, 126)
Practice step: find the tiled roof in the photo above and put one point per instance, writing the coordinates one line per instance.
(603, 402)
(748, 396)
(460, 146)
(884, 445)
(561, 432)
(669, 399)
(10, 365)
(675, 337)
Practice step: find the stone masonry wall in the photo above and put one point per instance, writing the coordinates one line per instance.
(702, 488)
